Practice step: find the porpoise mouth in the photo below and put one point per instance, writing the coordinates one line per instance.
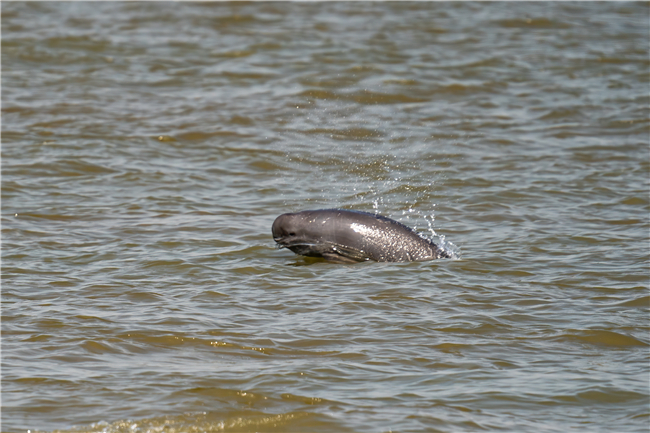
(279, 244)
(283, 242)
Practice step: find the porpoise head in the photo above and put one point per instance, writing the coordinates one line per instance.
(327, 233)
(289, 229)
(296, 232)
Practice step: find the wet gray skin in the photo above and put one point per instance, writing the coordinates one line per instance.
(346, 236)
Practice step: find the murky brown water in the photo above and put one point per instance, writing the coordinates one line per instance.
(148, 147)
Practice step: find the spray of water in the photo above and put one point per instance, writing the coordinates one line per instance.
(364, 168)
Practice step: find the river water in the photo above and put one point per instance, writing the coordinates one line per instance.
(148, 147)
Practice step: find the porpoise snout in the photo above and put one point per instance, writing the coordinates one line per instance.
(282, 228)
